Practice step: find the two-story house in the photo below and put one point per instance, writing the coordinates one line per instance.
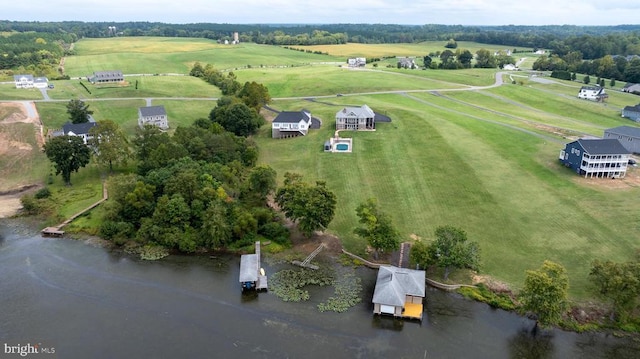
(153, 115)
(593, 93)
(78, 129)
(628, 136)
(291, 124)
(631, 88)
(356, 118)
(23, 81)
(603, 157)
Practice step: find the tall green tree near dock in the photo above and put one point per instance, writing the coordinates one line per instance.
(545, 293)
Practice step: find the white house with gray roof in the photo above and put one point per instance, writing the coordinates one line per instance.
(23, 81)
(291, 124)
(356, 118)
(77, 129)
(593, 93)
(628, 136)
(153, 115)
(99, 77)
(399, 292)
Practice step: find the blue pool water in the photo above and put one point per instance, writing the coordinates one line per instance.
(342, 147)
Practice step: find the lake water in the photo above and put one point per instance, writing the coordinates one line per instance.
(85, 301)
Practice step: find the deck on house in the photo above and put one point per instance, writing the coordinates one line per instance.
(412, 311)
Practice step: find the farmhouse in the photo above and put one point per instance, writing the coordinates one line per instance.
(153, 115)
(631, 88)
(628, 136)
(399, 292)
(510, 67)
(357, 62)
(23, 81)
(356, 118)
(407, 63)
(78, 129)
(291, 124)
(596, 157)
(632, 112)
(593, 93)
(106, 77)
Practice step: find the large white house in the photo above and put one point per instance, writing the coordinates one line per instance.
(291, 124)
(23, 81)
(592, 93)
(356, 118)
(153, 115)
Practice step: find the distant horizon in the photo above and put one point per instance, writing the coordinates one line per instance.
(275, 24)
(306, 12)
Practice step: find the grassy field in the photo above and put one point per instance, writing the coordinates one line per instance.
(9, 92)
(137, 55)
(483, 160)
(382, 50)
(436, 165)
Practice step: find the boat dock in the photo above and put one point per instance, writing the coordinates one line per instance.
(56, 231)
(252, 275)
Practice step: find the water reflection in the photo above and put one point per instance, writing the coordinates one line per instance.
(531, 343)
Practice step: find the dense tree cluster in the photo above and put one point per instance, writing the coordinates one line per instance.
(610, 67)
(618, 283)
(195, 189)
(38, 53)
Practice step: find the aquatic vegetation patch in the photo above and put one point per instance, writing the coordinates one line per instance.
(289, 284)
(346, 295)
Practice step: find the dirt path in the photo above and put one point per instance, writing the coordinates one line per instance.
(13, 148)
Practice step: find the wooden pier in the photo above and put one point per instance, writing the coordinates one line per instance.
(56, 231)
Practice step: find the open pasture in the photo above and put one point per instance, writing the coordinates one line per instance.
(134, 55)
(384, 50)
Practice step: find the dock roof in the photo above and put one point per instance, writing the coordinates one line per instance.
(249, 268)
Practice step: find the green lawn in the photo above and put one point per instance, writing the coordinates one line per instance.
(436, 165)
(9, 92)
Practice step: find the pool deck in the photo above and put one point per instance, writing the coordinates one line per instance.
(336, 141)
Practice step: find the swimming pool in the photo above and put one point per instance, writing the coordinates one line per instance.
(342, 147)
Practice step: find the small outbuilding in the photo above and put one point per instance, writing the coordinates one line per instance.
(399, 292)
(251, 274)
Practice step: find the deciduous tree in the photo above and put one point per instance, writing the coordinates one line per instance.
(378, 228)
(452, 250)
(619, 283)
(312, 207)
(110, 143)
(545, 293)
(68, 153)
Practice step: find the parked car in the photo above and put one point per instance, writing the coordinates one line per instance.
(51, 86)
(633, 162)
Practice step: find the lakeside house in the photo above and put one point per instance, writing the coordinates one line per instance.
(291, 124)
(602, 157)
(23, 81)
(593, 93)
(99, 77)
(399, 292)
(153, 115)
(356, 118)
(628, 136)
(632, 112)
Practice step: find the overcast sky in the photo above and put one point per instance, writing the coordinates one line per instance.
(417, 12)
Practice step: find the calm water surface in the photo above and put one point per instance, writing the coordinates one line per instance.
(89, 302)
